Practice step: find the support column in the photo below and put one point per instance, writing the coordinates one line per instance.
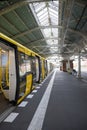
(68, 64)
(79, 65)
(0, 69)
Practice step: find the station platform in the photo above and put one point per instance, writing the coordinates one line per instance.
(59, 103)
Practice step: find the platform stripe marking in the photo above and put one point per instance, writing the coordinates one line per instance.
(37, 87)
(30, 96)
(23, 104)
(11, 117)
(34, 91)
(38, 118)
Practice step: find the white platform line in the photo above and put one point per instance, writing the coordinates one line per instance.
(23, 104)
(38, 118)
(11, 117)
(30, 96)
(37, 87)
(40, 84)
(34, 91)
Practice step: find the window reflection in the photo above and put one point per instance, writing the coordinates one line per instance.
(24, 64)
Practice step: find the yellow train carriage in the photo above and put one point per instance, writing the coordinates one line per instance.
(19, 68)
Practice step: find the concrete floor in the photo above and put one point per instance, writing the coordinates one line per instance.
(66, 110)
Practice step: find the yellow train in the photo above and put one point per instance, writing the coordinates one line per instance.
(20, 67)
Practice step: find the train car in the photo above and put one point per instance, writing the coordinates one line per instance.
(20, 67)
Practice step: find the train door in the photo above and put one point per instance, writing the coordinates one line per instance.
(7, 72)
(37, 69)
(25, 75)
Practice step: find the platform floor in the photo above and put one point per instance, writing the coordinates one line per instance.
(59, 104)
(4, 104)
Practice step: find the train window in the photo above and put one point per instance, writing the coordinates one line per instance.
(4, 67)
(37, 69)
(22, 71)
(28, 63)
(33, 67)
(4, 59)
(24, 64)
(22, 67)
(41, 70)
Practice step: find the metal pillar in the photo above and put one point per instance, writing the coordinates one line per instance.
(79, 65)
(68, 64)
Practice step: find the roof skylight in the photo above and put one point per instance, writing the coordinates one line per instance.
(47, 15)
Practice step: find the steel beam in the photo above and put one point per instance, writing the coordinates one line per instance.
(78, 33)
(81, 3)
(84, 17)
(19, 4)
(34, 29)
(43, 39)
(42, 46)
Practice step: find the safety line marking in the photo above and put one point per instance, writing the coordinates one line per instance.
(34, 91)
(38, 118)
(11, 117)
(23, 104)
(37, 87)
(30, 96)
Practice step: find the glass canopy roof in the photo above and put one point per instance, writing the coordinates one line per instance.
(47, 17)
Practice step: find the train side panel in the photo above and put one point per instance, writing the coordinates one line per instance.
(19, 69)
